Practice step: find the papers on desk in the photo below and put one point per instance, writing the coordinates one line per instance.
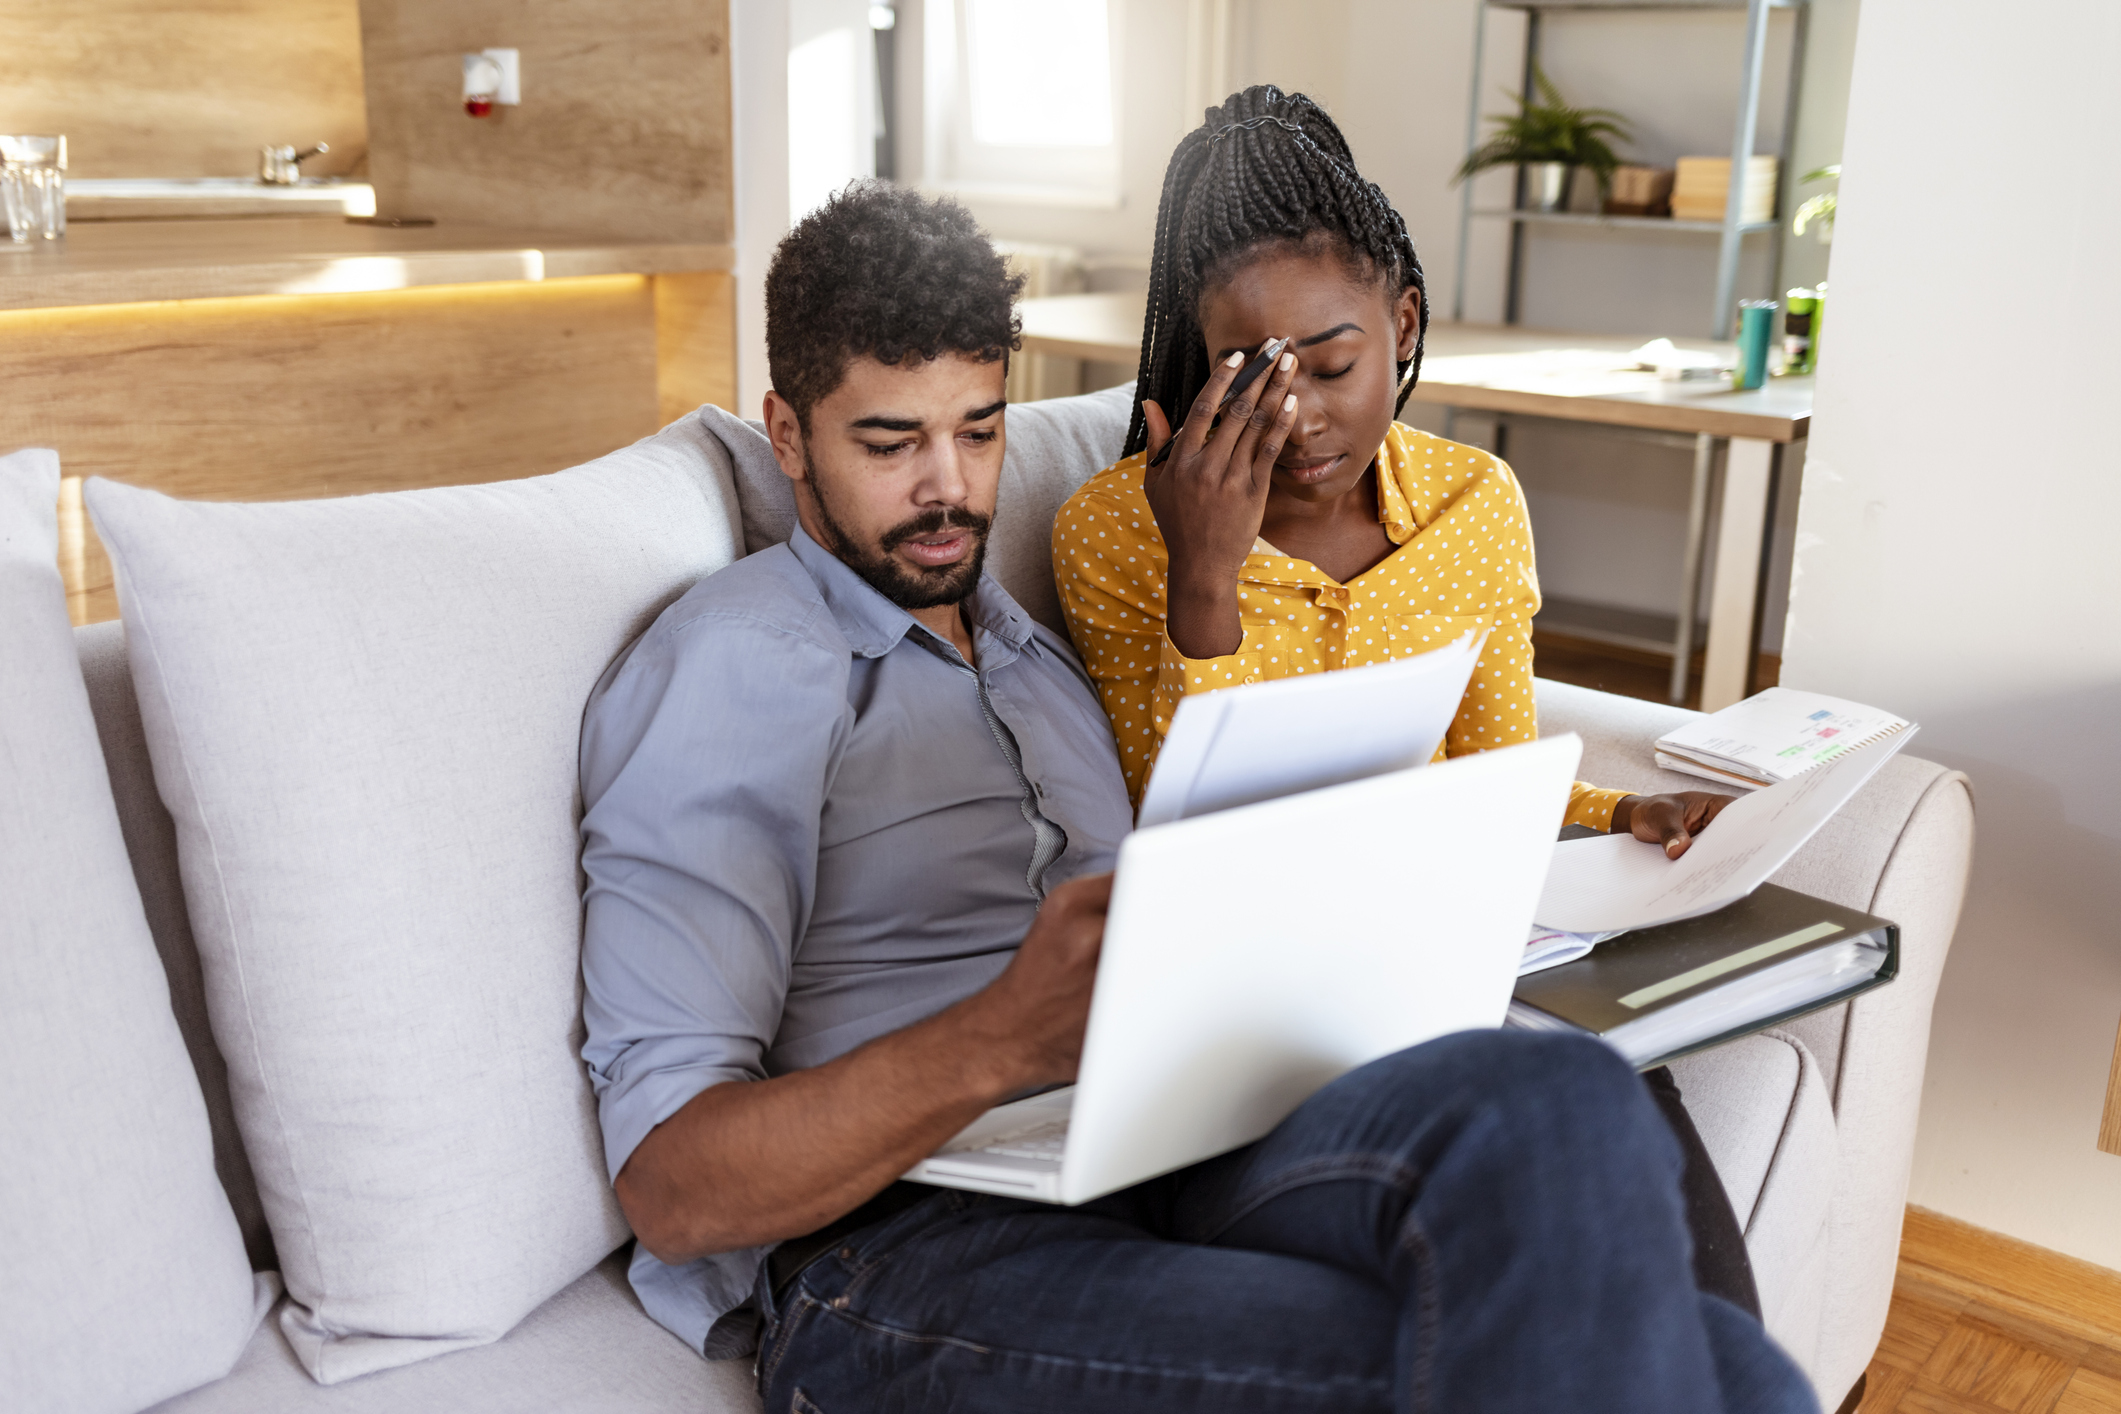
(1616, 882)
(1266, 740)
(1674, 364)
(1560, 372)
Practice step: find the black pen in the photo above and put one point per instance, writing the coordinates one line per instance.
(1246, 377)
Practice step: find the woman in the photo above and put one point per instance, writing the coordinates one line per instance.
(1311, 531)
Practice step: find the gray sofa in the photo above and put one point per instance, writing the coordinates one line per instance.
(1811, 1126)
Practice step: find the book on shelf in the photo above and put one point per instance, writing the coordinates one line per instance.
(1659, 993)
(1773, 736)
(1701, 187)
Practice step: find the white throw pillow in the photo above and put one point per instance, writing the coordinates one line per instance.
(364, 717)
(122, 1274)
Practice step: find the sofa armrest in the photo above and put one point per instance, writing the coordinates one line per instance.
(1901, 849)
(1875, 1048)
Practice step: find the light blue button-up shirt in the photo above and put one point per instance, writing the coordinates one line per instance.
(810, 823)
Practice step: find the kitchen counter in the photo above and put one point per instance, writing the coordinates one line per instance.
(302, 356)
(166, 198)
(123, 262)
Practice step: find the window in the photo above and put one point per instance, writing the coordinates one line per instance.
(1020, 99)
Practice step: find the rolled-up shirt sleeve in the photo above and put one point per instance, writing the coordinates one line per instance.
(706, 755)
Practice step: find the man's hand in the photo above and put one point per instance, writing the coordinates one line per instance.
(750, 1162)
(1035, 1012)
(1211, 496)
(1669, 820)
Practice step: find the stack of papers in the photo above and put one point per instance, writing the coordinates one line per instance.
(1674, 364)
(1614, 883)
(1773, 736)
(1550, 947)
(1273, 739)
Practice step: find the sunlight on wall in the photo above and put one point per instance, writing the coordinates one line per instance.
(825, 123)
(1041, 74)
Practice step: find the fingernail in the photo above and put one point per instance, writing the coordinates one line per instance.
(1233, 360)
(1288, 361)
(1288, 404)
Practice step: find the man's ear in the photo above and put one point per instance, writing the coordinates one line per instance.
(785, 430)
(1406, 321)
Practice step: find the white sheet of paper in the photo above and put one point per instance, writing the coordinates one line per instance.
(1618, 882)
(1271, 739)
(1547, 948)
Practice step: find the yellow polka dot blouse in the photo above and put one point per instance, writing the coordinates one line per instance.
(1464, 552)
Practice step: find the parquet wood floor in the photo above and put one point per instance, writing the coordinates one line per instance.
(1983, 1324)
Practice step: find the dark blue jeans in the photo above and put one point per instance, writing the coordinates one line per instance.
(1489, 1222)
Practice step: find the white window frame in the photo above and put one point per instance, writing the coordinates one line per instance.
(955, 162)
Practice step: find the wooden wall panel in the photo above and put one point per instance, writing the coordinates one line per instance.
(695, 342)
(286, 397)
(623, 128)
(184, 88)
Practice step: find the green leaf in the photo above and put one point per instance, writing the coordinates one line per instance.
(1549, 131)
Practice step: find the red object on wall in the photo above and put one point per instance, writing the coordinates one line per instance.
(478, 107)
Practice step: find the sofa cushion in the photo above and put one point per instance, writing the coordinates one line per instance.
(1052, 447)
(122, 1273)
(363, 715)
(589, 1350)
(151, 843)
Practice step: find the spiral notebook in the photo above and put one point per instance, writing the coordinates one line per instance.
(1773, 736)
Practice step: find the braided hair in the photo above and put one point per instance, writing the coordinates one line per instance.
(1266, 168)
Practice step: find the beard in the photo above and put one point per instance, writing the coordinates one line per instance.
(908, 586)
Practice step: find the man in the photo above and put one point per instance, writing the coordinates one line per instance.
(846, 811)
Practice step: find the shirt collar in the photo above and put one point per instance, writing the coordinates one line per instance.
(873, 625)
(1394, 510)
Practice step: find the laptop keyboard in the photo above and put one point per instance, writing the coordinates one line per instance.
(1044, 1142)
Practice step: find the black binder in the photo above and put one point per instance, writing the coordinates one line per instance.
(1681, 987)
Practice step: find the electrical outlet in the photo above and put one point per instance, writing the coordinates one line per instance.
(492, 76)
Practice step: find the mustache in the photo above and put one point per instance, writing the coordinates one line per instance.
(935, 522)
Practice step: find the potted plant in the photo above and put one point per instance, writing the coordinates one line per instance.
(1820, 209)
(1550, 140)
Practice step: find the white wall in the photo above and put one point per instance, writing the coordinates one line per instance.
(802, 86)
(758, 83)
(1957, 560)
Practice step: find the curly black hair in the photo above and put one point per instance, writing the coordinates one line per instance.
(1266, 169)
(882, 272)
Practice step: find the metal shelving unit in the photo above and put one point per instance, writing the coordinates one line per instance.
(1731, 231)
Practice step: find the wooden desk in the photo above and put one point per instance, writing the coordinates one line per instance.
(1578, 378)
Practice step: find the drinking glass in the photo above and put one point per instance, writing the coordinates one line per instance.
(33, 186)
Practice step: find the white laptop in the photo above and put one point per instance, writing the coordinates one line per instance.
(1234, 982)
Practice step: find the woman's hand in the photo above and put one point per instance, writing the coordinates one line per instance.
(1210, 498)
(1669, 820)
